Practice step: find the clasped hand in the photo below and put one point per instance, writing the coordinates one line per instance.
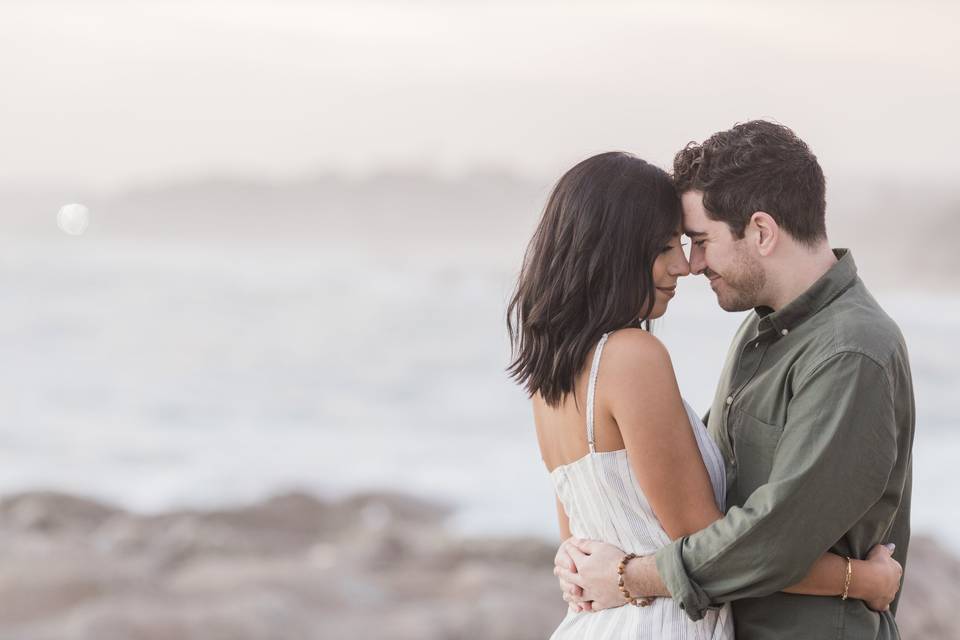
(586, 570)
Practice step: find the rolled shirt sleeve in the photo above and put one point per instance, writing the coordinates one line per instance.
(831, 464)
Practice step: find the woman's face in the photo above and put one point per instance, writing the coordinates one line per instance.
(670, 265)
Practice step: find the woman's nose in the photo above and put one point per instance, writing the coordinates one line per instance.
(680, 267)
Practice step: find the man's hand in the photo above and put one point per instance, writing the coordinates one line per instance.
(593, 579)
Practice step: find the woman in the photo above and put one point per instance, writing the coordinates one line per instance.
(632, 464)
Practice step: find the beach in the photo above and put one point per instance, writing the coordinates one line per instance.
(294, 567)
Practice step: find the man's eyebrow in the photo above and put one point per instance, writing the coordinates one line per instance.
(693, 234)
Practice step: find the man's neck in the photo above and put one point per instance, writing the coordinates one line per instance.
(800, 271)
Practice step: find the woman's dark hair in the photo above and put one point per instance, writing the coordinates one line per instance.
(757, 166)
(588, 268)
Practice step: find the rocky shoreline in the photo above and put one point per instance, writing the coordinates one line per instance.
(376, 565)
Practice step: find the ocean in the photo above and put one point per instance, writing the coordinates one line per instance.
(156, 374)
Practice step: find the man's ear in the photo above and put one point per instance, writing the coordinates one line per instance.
(767, 232)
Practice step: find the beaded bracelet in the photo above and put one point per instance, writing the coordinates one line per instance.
(621, 569)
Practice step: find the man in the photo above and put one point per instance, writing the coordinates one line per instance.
(814, 411)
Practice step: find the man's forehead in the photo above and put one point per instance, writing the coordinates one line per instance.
(695, 220)
(693, 224)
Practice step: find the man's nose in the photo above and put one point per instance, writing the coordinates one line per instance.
(697, 262)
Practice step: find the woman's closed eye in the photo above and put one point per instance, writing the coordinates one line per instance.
(671, 247)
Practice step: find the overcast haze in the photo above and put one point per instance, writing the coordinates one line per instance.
(307, 219)
(110, 94)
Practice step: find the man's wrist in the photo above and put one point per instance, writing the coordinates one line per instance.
(642, 578)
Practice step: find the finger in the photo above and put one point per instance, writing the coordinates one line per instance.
(891, 547)
(563, 551)
(569, 543)
(565, 584)
(584, 546)
(572, 578)
(576, 594)
(569, 578)
(564, 560)
(576, 555)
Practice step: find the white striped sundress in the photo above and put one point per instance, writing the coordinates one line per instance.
(604, 502)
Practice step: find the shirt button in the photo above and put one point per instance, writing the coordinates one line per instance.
(784, 332)
(729, 399)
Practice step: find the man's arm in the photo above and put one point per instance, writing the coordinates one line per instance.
(831, 465)
(590, 583)
(590, 566)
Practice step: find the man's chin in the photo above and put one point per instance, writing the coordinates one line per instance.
(735, 305)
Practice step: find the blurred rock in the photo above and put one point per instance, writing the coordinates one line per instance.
(295, 567)
(931, 591)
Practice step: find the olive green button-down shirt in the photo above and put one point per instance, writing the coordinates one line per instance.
(814, 415)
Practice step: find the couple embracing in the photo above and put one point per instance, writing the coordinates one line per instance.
(784, 513)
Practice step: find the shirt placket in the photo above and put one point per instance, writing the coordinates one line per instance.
(748, 364)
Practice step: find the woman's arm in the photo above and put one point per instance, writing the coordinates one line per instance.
(641, 395)
(875, 580)
(563, 520)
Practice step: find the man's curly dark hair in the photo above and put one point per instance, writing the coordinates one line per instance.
(756, 166)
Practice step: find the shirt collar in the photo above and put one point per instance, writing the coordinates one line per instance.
(835, 281)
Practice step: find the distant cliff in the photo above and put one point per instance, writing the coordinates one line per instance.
(899, 231)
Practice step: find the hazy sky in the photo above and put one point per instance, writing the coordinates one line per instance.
(109, 93)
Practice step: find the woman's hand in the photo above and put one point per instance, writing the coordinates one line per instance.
(563, 568)
(880, 578)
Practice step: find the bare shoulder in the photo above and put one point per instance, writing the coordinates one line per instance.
(638, 382)
(631, 350)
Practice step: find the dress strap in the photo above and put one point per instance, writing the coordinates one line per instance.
(592, 389)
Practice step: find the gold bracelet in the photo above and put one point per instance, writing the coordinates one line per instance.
(848, 579)
(621, 569)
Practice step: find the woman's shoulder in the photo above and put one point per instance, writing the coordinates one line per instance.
(632, 348)
(636, 368)
(637, 376)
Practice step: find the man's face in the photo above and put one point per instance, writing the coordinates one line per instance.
(735, 274)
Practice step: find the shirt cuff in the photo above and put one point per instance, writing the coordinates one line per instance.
(692, 599)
